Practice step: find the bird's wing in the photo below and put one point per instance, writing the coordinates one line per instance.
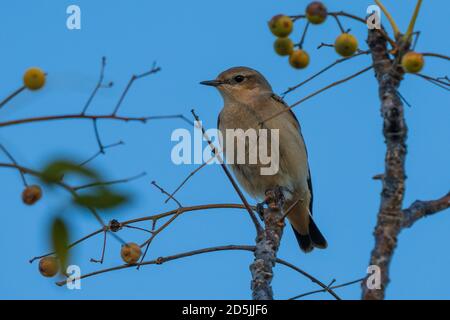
(280, 100)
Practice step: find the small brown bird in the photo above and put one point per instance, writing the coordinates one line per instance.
(248, 100)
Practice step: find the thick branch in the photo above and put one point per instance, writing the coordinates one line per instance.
(267, 244)
(389, 75)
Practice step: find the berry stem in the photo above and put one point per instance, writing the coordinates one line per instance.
(300, 44)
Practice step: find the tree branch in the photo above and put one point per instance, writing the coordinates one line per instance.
(421, 209)
(91, 117)
(267, 244)
(389, 75)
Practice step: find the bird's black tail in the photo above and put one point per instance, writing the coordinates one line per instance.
(314, 239)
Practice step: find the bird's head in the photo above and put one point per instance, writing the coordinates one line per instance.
(240, 84)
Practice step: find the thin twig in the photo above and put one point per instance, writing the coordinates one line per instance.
(442, 84)
(290, 89)
(436, 55)
(188, 177)
(105, 183)
(98, 153)
(317, 92)
(133, 78)
(325, 290)
(105, 233)
(99, 85)
(91, 117)
(9, 155)
(300, 44)
(12, 95)
(167, 194)
(229, 176)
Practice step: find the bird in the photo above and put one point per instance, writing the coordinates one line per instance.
(248, 99)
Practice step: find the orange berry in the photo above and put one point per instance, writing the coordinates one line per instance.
(48, 266)
(130, 253)
(31, 194)
(34, 78)
(299, 59)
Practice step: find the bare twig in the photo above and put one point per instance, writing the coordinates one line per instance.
(9, 155)
(91, 117)
(98, 153)
(167, 194)
(11, 96)
(106, 183)
(436, 55)
(436, 81)
(229, 176)
(302, 40)
(102, 257)
(316, 93)
(192, 173)
(99, 85)
(325, 289)
(290, 89)
(133, 78)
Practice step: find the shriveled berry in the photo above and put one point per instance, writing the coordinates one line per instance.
(31, 194)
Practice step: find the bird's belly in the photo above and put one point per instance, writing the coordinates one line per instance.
(254, 183)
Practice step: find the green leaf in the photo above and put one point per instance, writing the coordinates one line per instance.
(54, 171)
(101, 199)
(60, 242)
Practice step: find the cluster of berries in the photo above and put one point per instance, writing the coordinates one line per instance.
(345, 44)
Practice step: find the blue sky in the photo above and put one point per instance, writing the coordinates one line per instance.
(193, 41)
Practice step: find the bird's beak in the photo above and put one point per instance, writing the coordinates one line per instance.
(212, 83)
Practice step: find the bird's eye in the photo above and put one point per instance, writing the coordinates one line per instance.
(239, 78)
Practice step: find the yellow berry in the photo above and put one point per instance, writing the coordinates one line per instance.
(346, 45)
(316, 12)
(31, 194)
(281, 25)
(48, 266)
(34, 78)
(299, 59)
(130, 253)
(283, 46)
(412, 62)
